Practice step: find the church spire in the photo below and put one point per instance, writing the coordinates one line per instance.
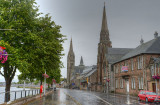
(71, 46)
(104, 21)
(81, 62)
(104, 35)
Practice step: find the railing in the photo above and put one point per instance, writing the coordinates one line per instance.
(17, 95)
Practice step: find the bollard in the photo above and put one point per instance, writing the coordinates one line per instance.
(32, 92)
(15, 95)
(25, 93)
(21, 94)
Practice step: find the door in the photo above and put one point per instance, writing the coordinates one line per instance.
(127, 86)
(153, 87)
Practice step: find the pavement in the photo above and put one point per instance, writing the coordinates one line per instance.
(80, 97)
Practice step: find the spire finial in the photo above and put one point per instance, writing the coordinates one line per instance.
(155, 34)
(141, 41)
(104, 3)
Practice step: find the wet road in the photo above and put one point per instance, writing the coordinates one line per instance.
(68, 97)
(56, 98)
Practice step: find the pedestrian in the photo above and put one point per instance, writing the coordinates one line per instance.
(41, 89)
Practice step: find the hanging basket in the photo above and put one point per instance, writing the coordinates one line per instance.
(156, 77)
(3, 54)
(108, 80)
(53, 80)
(45, 75)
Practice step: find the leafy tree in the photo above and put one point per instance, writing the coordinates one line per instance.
(35, 43)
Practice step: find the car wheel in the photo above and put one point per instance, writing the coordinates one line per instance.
(139, 99)
(146, 99)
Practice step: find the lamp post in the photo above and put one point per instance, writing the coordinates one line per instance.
(107, 84)
(104, 78)
(45, 84)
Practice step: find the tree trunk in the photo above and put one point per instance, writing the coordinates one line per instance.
(7, 90)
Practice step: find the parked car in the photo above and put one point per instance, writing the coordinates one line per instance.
(148, 96)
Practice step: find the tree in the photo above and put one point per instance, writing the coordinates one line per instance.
(35, 42)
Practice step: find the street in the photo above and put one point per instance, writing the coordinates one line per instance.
(80, 97)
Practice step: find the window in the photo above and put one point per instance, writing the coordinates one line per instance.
(116, 83)
(152, 70)
(140, 62)
(140, 79)
(116, 69)
(132, 64)
(133, 83)
(121, 67)
(121, 83)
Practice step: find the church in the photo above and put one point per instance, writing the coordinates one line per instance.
(120, 70)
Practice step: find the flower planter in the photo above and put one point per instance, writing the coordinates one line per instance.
(45, 75)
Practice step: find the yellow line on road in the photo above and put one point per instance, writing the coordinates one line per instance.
(73, 99)
(103, 100)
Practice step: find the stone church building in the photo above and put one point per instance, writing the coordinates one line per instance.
(141, 65)
(73, 70)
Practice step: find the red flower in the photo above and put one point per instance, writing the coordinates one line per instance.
(45, 75)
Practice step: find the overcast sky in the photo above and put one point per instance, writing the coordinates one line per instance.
(128, 20)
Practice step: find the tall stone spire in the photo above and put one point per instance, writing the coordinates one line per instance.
(81, 62)
(104, 35)
(104, 21)
(70, 63)
(71, 46)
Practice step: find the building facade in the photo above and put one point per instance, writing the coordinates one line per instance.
(141, 69)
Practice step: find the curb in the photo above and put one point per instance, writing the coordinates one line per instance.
(73, 99)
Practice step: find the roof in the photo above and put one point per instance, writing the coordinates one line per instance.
(150, 47)
(114, 54)
(88, 71)
(91, 72)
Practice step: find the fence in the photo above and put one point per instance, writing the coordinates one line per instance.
(17, 95)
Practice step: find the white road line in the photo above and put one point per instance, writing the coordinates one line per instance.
(103, 100)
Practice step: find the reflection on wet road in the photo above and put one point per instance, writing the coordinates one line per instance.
(56, 98)
(61, 97)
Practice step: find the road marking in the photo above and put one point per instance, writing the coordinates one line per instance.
(103, 100)
(72, 98)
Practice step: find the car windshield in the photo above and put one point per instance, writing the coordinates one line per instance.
(150, 93)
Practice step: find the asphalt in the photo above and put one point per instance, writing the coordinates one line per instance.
(79, 97)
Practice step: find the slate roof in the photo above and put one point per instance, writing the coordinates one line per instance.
(91, 72)
(88, 71)
(114, 54)
(150, 47)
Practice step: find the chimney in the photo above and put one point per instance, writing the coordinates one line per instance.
(156, 35)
